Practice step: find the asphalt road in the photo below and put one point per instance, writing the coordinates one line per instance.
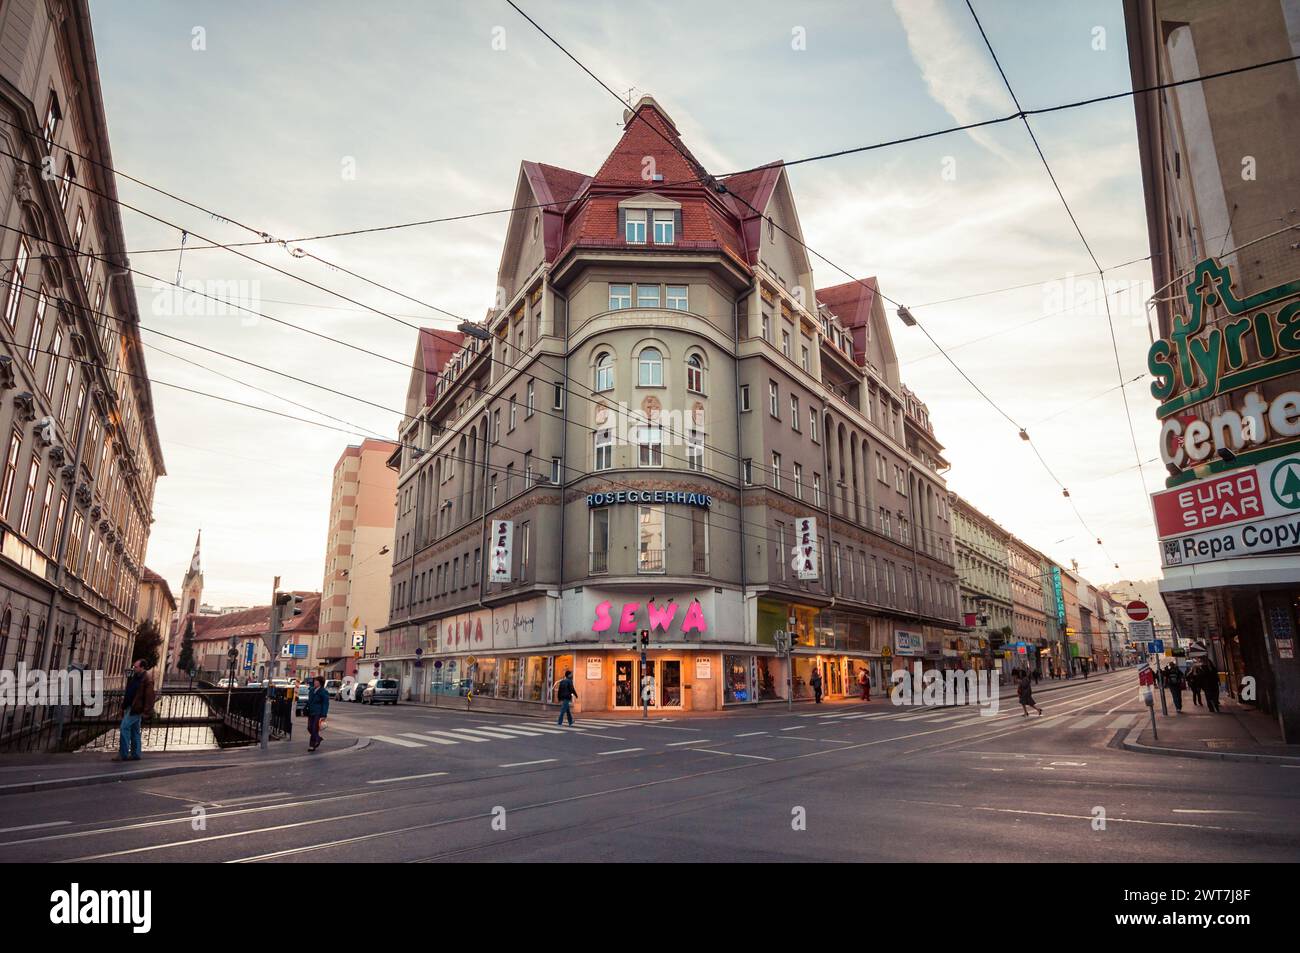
(841, 783)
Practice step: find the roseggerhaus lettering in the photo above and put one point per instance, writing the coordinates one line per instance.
(650, 496)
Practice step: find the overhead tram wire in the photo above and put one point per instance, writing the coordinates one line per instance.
(1023, 433)
(1110, 321)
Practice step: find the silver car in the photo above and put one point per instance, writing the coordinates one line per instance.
(380, 691)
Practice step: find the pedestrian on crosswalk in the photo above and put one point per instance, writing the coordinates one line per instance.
(865, 681)
(565, 692)
(1025, 695)
(816, 682)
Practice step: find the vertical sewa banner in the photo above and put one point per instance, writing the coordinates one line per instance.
(503, 534)
(805, 553)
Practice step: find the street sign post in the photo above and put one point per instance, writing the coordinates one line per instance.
(1137, 610)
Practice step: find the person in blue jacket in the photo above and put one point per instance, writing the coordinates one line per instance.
(318, 706)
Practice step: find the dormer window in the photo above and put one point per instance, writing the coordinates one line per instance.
(665, 227)
(634, 227)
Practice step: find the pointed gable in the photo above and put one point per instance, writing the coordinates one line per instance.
(860, 308)
(435, 348)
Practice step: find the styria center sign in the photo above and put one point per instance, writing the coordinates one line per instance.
(1228, 345)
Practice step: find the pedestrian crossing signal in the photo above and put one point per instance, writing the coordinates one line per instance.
(645, 638)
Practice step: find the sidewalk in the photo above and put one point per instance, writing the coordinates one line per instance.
(28, 773)
(1237, 733)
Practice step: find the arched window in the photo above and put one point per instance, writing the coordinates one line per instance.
(695, 374)
(650, 368)
(605, 371)
(21, 656)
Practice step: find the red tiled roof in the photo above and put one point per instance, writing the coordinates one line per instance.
(437, 348)
(254, 621)
(149, 576)
(749, 191)
(852, 302)
(555, 189)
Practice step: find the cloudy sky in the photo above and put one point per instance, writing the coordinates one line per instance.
(301, 119)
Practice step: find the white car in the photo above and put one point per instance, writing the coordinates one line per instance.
(333, 687)
(228, 683)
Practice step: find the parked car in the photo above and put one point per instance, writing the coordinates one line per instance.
(228, 683)
(381, 691)
(300, 702)
(333, 686)
(252, 683)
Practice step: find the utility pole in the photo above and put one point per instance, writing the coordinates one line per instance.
(647, 680)
(284, 605)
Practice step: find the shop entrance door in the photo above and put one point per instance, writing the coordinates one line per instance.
(625, 692)
(670, 684)
(650, 668)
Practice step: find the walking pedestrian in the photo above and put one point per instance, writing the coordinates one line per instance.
(865, 682)
(816, 682)
(1036, 675)
(1174, 682)
(1194, 682)
(1210, 685)
(566, 693)
(318, 706)
(1025, 695)
(137, 702)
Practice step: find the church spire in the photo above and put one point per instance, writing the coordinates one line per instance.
(194, 563)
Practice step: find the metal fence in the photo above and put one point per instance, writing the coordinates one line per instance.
(182, 720)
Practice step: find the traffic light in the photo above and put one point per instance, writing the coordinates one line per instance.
(794, 637)
(286, 604)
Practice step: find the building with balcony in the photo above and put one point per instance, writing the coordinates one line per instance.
(354, 595)
(664, 427)
(1222, 180)
(81, 451)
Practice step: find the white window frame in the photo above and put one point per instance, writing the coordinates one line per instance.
(677, 297)
(643, 296)
(604, 371)
(695, 374)
(650, 446)
(620, 297)
(665, 225)
(642, 365)
(634, 226)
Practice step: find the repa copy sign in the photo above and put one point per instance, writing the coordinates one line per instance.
(1270, 526)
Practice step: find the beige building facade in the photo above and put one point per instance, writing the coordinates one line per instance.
(354, 595)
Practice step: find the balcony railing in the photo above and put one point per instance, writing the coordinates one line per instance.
(650, 560)
(599, 562)
(701, 562)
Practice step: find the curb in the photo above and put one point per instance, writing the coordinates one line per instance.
(1131, 743)
(139, 774)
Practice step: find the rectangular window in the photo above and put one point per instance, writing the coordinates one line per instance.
(599, 541)
(695, 450)
(514, 411)
(776, 471)
(11, 471)
(781, 549)
(67, 393)
(620, 297)
(785, 343)
(38, 324)
(647, 296)
(29, 495)
(557, 397)
(804, 361)
(496, 426)
(634, 227)
(65, 186)
(677, 298)
(767, 328)
(794, 413)
(812, 424)
(525, 537)
(604, 448)
(52, 116)
(798, 481)
(650, 548)
(45, 514)
(700, 539)
(817, 488)
(747, 471)
(774, 399)
(744, 398)
(52, 369)
(79, 230)
(650, 446)
(16, 279)
(664, 227)
(557, 470)
(529, 400)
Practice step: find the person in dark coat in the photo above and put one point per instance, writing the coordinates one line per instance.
(1174, 681)
(1195, 679)
(318, 706)
(816, 682)
(1210, 685)
(1025, 695)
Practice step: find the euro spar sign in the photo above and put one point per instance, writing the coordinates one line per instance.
(1232, 498)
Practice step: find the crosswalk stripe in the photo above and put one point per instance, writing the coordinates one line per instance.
(400, 742)
(422, 737)
(487, 732)
(1123, 721)
(1089, 720)
(521, 732)
(456, 734)
(549, 730)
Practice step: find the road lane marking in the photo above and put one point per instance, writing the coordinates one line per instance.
(697, 741)
(409, 777)
(456, 734)
(421, 736)
(548, 730)
(524, 764)
(1089, 720)
(33, 827)
(498, 735)
(1089, 817)
(1190, 810)
(793, 728)
(521, 732)
(400, 742)
(620, 751)
(750, 734)
(1123, 721)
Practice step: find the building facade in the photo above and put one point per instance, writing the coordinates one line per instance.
(984, 571)
(157, 605)
(663, 416)
(354, 595)
(1222, 181)
(81, 451)
(245, 631)
(1029, 622)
